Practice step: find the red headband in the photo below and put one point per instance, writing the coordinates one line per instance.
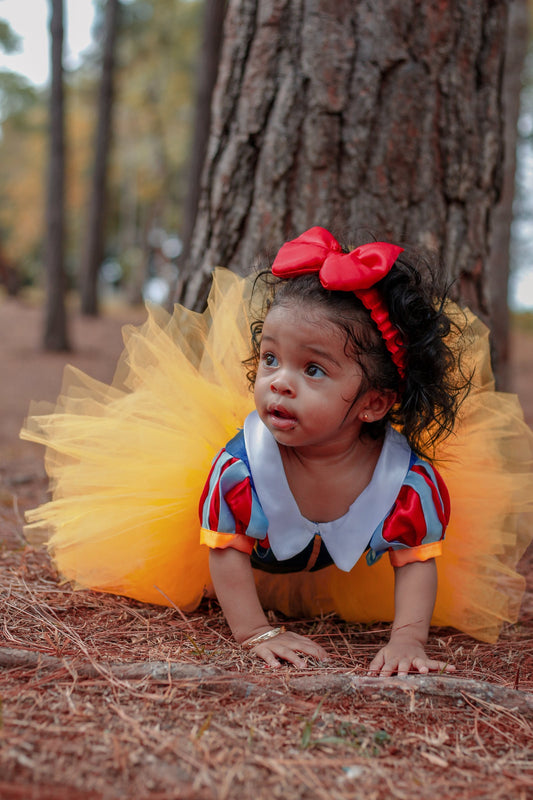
(317, 250)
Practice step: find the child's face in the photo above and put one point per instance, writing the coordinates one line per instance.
(306, 384)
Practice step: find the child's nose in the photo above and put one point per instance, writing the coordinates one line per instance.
(281, 385)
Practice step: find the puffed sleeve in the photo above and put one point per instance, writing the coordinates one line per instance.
(415, 527)
(230, 512)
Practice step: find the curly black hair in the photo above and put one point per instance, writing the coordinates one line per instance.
(434, 387)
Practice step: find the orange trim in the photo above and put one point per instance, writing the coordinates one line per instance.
(410, 554)
(317, 544)
(239, 541)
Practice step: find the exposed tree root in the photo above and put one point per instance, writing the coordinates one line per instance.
(440, 688)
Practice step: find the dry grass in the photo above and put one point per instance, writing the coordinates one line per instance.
(103, 697)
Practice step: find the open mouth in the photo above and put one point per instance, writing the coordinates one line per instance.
(279, 412)
(280, 418)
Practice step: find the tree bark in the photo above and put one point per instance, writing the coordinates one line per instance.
(93, 252)
(55, 336)
(382, 117)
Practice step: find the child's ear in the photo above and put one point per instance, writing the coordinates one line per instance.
(376, 405)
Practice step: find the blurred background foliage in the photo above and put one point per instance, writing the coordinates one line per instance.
(156, 61)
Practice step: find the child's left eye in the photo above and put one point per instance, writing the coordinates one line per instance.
(314, 371)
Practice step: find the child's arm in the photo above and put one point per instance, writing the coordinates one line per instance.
(234, 584)
(414, 596)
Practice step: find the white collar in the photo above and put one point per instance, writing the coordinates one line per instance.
(346, 538)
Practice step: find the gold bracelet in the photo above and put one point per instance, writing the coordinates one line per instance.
(263, 637)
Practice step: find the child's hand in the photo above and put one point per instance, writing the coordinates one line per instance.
(286, 647)
(402, 656)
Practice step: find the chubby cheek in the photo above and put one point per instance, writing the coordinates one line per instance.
(260, 389)
(329, 407)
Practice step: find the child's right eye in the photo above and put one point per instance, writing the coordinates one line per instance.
(270, 360)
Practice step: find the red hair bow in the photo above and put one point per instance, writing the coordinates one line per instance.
(317, 250)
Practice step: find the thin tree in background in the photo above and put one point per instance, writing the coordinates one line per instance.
(499, 258)
(55, 333)
(93, 252)
(213, 23)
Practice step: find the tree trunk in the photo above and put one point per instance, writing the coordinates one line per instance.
(382, 116)
(93, 253)
(213, 23)
(55, 330)
(498, 263)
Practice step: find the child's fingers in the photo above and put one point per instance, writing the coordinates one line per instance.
(305, 645)
(402, 668)
(376, 664)
(285, 654)
(272, 654)
(267, 655)
(384, 668)
(287, 647)
(434, 666)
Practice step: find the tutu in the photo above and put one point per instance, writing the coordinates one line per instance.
(127, 464)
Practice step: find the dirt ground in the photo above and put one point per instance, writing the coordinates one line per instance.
(103, 697)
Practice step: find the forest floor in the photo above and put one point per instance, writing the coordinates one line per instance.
(102, 697)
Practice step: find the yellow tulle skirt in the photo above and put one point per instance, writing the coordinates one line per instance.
(127, 463)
